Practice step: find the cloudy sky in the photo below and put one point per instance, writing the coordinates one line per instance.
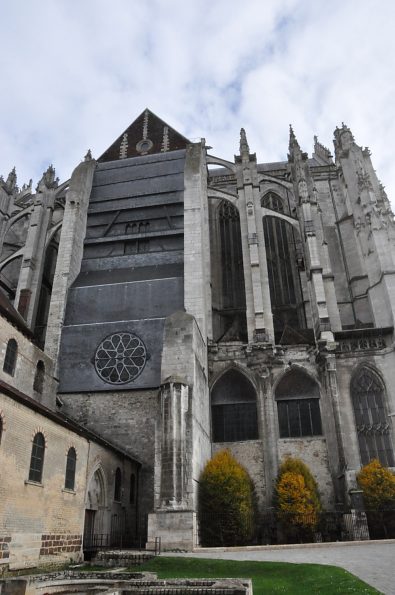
(76, 73)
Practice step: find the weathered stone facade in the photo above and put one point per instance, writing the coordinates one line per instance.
(197, 304)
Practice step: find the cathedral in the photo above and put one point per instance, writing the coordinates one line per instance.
(164, 303)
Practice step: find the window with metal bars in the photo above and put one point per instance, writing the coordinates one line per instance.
(10, 357)
(71, 461)
(233, 409)
(37, 458)
(298, 406)
(371, 418)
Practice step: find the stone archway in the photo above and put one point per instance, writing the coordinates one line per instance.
(94, 511)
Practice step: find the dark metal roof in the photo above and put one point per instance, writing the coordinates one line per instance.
(148, 134)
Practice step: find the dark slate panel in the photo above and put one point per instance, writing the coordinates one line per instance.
(165, 271)
(79, 343)
(136, 202)
(140, 172)
(124, 301)
(133, 260)
(155, 185)
(138, 160)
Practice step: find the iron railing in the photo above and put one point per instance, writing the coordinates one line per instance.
(272, 527)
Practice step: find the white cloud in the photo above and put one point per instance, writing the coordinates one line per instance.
(75, 74)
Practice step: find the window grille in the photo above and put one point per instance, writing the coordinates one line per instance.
(117, 485)
(233, 409)
(71, 461)
(298, 406)
(37, 458)
(299, 417)
(372, 421)
(10, 357)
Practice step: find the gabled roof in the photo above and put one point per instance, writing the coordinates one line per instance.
(148, 134)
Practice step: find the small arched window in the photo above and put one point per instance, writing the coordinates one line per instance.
(38, 383)
(10, 357)
(118, 485)
(298, 406)
(132, 492)
(37, 458)
(373, 425)
(233, 409)
(71, 461)
(1, 428)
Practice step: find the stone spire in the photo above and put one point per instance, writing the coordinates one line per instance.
(244, 148)
(48, 180)
(10, 184)
(321, 152)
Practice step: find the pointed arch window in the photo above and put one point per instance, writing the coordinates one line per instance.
(281, 263)
(118, 485)
(231, 256)
(132, 491)
(38, 383)
(372, 421)
(37, 458)
(234, 409)
(10, 358)
(298, 406)
(71, 462)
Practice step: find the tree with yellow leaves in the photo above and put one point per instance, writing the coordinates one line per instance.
(297, 498)
(378, 485)
(226, 502)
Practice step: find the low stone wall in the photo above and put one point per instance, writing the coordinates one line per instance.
(144, 583)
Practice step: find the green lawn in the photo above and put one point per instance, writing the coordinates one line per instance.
(267, 577)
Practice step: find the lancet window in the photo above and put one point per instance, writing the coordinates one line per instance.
(281, 264)
(371, 418)
(234, 409)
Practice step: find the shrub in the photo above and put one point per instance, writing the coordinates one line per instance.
(378, 485)
(296, 497)
(226, 502)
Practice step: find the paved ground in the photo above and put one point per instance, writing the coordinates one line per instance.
(372, 562)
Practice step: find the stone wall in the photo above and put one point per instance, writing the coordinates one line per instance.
(126, 418)
(41, 522)
(25, 369)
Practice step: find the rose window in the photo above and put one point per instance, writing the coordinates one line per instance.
(120, 358)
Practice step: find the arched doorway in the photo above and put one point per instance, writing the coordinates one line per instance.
(94, 530)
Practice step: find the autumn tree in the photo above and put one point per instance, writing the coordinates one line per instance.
(226, 502)
(378, 485)
(296, 497)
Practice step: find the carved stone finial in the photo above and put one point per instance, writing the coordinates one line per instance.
(48, 180)
(88, 156)
(293, 143)
(11, 181)
(244, 148)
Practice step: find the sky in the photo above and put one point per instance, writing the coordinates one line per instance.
(76, 73)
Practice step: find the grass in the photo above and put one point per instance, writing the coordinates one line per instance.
(267, 577)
